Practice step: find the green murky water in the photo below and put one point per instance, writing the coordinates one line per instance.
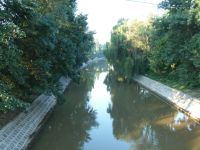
(103, 113)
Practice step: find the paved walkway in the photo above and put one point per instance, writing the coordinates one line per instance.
(184, 102)
(18, 134)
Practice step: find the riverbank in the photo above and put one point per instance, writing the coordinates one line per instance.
(194, 92)
(185, 103)
(19, 133)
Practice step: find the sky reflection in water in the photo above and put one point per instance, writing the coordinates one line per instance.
(104, 114)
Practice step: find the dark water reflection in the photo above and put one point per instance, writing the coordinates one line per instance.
(103, 113)
(146, 122)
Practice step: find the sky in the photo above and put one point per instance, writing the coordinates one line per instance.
(104, 14)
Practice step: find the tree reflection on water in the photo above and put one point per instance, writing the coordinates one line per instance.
(137, 117)
(69, 127)
(145, 121)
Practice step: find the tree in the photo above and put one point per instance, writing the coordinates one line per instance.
(129, 47)
(47, 42)
(175, 51)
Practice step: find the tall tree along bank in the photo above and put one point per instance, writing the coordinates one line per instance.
(129, 47)
(165, 46)
(40, 41)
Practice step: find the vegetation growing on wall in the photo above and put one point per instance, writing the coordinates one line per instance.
(40, 41)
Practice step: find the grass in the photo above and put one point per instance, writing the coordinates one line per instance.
(195, 92)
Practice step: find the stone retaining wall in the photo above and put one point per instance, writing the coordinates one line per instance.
(183, 102)
(18, 134)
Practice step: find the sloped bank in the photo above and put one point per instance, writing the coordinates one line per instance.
(183, 102)
(18, 134)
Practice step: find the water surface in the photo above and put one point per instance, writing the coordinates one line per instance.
(103, 113)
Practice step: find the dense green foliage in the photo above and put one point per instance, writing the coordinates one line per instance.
(129, 48)
(165, 46)
(40, 41)
(175, 52)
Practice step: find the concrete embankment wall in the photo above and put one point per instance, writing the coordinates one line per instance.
(18, 134)
(183, 102)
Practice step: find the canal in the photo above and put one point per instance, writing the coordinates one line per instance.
(105, 113)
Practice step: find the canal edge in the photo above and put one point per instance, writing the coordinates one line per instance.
(19, 133)
(179, 100)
